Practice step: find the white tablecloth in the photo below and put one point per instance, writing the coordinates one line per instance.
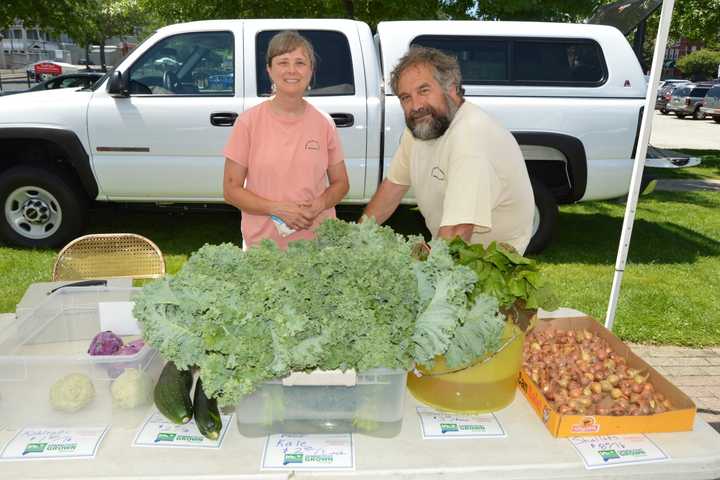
(529, 451)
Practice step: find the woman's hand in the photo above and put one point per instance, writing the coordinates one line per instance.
(294, 215)
(313, 209)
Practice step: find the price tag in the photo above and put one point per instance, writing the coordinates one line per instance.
(39, 443)
(616, 450)
(309, 452)
(158, 431)
(437, 425)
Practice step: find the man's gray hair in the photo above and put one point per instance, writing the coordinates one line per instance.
(446, 68)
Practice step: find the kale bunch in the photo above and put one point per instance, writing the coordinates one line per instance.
(348, 299)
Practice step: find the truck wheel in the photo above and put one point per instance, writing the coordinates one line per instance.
(42, 208)
(664, 111)
(716, 118)
(545, 219)
(680, 115)
(698, 114)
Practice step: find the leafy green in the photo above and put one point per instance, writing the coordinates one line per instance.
(453, 323)
(347, 300)
(505, 275)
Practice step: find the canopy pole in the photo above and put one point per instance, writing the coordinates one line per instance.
(640, 153)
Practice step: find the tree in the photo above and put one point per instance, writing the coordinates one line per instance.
(108, 18)
(369, 11)
(701, 65)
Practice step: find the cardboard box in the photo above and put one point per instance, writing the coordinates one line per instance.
(681, 418)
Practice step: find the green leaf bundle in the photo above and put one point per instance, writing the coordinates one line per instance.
(347, 300)
(505, 275)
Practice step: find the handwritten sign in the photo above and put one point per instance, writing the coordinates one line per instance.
(616, 450)
(440, 425)
(309, 452)
(158, 431)
(39, 443)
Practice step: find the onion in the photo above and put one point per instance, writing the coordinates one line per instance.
(578, 373)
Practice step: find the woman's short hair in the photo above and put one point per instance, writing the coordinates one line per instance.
(446, 68)
(287, 41)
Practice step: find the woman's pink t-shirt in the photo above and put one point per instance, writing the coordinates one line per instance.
(286, 160)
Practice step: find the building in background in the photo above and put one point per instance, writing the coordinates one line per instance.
(675, 52)
(22, 46)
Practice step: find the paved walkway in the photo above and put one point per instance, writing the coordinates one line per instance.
(683, 185)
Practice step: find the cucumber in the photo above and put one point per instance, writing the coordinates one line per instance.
(207, 415)
(172, 394)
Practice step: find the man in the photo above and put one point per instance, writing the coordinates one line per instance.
(467, 171)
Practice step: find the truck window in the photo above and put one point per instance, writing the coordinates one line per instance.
(699, 92)
(523, 61)
(481, 61)
(198, 63)
(714, 92)
(333, 63)
(578, 63)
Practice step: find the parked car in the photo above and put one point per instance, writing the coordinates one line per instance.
(71, 80)
(45, 69)
(711, 105)
(149, 134)
(672, 81)
(687, 100)
(664, 93)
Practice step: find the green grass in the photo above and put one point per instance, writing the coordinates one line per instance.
(669, 291)
(709, 169)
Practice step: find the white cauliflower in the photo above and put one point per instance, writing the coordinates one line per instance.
(72, 392)
(132, 389)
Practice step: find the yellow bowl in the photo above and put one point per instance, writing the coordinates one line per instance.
(485, 386)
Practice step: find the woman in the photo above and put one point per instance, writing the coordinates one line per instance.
(284, 165)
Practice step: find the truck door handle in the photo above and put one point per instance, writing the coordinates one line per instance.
(343, 119)
(223, 119)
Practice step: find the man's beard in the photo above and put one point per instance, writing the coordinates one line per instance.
(437, 124)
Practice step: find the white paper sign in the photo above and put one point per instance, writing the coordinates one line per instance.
(38, 443)
(616, 450)
(158, 431)
(118, 317)
(309, 452)
(437, 425)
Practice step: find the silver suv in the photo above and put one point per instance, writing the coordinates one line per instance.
(711, 104)
(687, 100)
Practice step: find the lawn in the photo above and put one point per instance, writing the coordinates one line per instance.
(669, 288)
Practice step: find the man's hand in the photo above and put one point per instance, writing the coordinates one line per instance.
(385, 201)
(463, 230)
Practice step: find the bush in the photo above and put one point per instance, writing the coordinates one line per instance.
(701, 64)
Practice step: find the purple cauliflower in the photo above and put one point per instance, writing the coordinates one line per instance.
(105, 343)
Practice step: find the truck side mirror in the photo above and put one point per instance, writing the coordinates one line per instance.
(117, 86)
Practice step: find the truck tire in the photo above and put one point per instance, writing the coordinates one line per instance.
(698, 114)
(546, 216)
(41, 208)
(716, 118)
(664, 111)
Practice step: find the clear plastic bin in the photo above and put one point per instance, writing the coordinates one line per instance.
(373, 406)
(51, 342)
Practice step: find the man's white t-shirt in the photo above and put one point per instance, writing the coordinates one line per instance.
(473, 174)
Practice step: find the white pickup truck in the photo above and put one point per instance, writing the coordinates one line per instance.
(153, 130)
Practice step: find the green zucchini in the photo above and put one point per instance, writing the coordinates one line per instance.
(207, 415)
(172, 394)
